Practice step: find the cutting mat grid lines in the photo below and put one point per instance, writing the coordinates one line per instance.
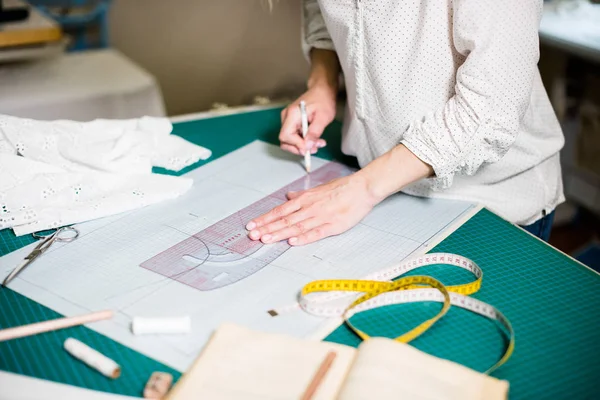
(9, 242)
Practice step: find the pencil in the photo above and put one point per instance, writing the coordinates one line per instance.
(319, 376)
(52, 325)
(304, 132)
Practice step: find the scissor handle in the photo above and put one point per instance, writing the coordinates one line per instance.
(64, 234)
(58, 236)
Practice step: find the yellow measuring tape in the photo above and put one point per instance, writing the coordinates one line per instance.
(377, 290)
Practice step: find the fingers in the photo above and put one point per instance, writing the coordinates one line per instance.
(290, 148)
(294, 150)
(290, 133)
(291, 222)
(316, 127)
(275, 214)
(285, 222)
(312, 235)
(299, 228)
(293, 195)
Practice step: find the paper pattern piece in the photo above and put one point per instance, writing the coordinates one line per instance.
(103, 267)
(223, 254)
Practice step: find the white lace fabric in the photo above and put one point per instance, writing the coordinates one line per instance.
(56, 173)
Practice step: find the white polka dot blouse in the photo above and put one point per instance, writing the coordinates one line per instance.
(456, 82)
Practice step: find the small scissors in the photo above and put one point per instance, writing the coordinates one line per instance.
(64, 234)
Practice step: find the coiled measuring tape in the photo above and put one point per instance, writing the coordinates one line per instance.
(345, 298)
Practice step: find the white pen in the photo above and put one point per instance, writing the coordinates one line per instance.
(304, 131)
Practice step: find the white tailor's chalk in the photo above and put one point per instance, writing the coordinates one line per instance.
(91, 357)
(150, 326)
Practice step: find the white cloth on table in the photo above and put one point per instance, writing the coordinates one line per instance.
(55, 173)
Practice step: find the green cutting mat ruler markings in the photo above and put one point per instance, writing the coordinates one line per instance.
(552, 301)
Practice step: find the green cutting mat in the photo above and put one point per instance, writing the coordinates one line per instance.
(552, 302)
(10, 242)
(42, 355)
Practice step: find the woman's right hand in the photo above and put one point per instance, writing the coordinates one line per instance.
(320, 109)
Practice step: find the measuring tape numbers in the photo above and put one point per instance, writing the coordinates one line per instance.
(347, 297)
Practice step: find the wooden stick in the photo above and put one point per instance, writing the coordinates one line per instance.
(318, 378)
(52, 325)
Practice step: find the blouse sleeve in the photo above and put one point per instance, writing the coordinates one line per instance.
(314, 30)
(480, 122)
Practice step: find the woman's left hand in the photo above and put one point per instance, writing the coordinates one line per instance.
(317, 213)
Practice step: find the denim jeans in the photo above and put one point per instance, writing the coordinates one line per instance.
(542, 227)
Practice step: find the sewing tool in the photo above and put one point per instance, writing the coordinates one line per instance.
(92, 358)
(222, 254)
(378, 289)
(53, 325)
(65, 234)
(304, 117)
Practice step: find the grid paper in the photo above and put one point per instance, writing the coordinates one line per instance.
(108, 269)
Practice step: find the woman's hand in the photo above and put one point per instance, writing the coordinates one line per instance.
(317, 213)
(320, 108)
(337, 206)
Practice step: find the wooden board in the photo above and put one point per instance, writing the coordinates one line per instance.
(34, 30)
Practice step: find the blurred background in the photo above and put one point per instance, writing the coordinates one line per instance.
(86, 59)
